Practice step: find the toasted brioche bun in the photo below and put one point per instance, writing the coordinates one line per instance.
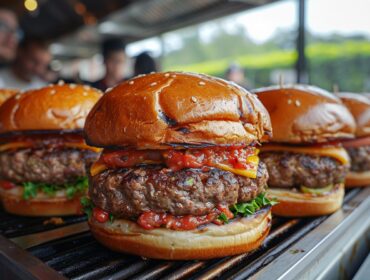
(41, 205)
(297, 204)
(162, 110)
(358, 179)
(306, 114)
(359, 106)
(6, 93)
(55, 107)
(211, 241)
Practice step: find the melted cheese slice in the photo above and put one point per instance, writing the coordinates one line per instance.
(17, 145)
(14, 145)
(338, 153)
(82, 146)
(97, 168)
(253, 161)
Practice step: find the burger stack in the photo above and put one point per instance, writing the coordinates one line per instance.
(42, 150)
(178, 165)
(358, 148)
(179, 176)
(306, 163)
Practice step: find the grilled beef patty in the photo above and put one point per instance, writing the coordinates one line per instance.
(289, 170)
(360, 158)
(45, 165)
(127, 193)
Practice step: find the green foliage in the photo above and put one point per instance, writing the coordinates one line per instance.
(30, 189)
(338, 60)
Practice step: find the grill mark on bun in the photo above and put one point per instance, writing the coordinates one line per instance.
(162, 115)
(186, 146)
(184, 130)
(167, 119)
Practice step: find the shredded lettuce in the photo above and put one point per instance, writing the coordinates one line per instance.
(223, 218)
(87, 206)
(249, 208)
(30, 188)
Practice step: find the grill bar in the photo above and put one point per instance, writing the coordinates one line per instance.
(81, 257)
(34, 239)
(235, 260)
(15, 261)
(12, 226)
(314, 252)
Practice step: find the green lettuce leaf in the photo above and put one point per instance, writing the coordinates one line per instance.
(87, 206)
(251, 207)
(79, 186)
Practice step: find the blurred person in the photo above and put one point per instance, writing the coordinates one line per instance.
(10, 34)
(235, 73)
(144, 64)
(31, 63)
(51, 76)
(114, 55)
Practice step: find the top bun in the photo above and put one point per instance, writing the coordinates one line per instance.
(6, 93)
(359, 106)
(55, 107)
(163, 110)
(306, 114)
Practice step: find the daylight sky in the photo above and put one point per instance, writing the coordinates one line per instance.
(323, 17)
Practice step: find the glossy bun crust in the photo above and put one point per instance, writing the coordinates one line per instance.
(359, 106)
(297, 204)
(358, 179)
(161, 110)
(6, 93)
(306, 114)
(13, 203)
(210, 241)
(55, 107)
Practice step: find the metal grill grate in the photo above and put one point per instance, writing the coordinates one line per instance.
(81, 257)
(13, 226)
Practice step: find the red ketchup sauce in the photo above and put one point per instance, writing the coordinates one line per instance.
(6, 185)
(151, 220)
(180, 159)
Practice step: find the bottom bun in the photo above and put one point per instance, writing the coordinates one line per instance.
(297, 204)
(211, 241)
(41, 205)
(358, 179)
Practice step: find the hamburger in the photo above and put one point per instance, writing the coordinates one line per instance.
(179, 176)
(359, 148)
(6, 93)
(306, 163)
(42, 150)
